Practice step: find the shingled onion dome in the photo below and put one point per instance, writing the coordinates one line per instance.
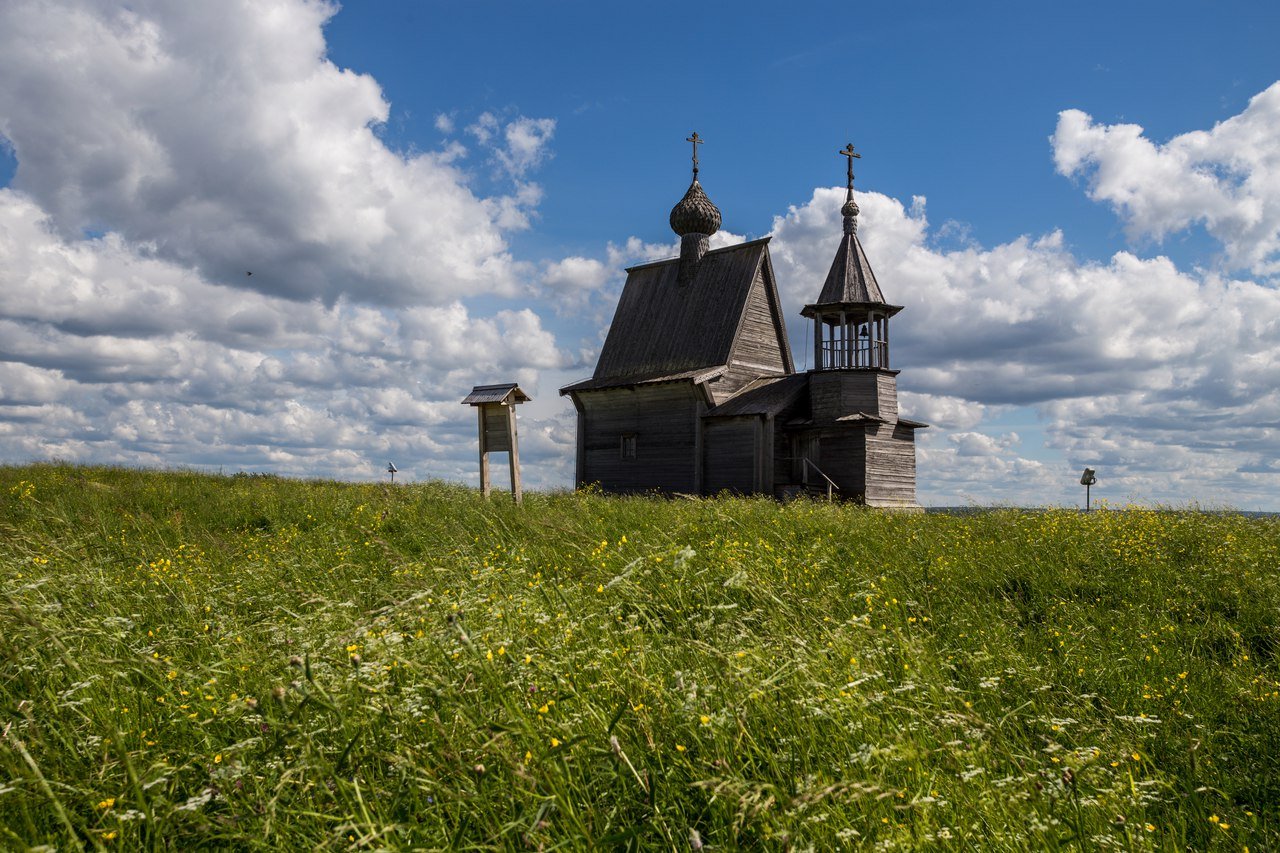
(695, 219)
(695, 213)
(850, 212)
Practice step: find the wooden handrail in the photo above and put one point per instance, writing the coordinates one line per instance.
(808, 463)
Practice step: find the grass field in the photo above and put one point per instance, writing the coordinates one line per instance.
(255, 663)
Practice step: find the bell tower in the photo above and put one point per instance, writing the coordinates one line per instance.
(850, 317)
(861, 442)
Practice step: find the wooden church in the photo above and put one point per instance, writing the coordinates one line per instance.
(696, 391)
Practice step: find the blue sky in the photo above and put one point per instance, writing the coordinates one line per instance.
(955, 102)
(1077, 205)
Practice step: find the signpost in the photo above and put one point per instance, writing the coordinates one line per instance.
(496, 411)
(1087, 479)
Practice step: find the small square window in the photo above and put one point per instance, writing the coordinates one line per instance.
(629, 446)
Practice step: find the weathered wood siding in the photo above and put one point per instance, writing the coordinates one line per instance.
(836, 393)
(842, 455)
(891, 466)
(731, 454)
(663, 418)
(496, 426)
(758, 350)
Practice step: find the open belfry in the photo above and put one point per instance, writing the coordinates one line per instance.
(696, 391)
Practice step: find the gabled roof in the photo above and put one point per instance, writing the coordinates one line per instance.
(769, 395)
(850, 281)
(508, 392)
(662, 327)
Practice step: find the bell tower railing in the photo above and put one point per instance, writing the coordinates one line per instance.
(848, 345)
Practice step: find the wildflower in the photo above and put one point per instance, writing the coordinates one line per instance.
(705, 719)
(107, 803)
(479, 769)
(1151, 827)
(679, 747)
(555, 741)
(217, 759)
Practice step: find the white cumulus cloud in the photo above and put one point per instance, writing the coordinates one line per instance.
(1166, 377)
(222, 138)
(1226, 178)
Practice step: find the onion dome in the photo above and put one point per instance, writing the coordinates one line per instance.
(850, 206)
(695, 213)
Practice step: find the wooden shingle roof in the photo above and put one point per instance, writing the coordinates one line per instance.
(662, 328)
(697, 376)
(850, 281)
(503, 393)
(769, 395)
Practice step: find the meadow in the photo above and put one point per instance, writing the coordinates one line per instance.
(252, 663)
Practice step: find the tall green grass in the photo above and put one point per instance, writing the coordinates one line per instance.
(256, 663)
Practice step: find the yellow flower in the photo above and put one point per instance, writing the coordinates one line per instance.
(1151, 827)
(217, 759)
(555, 741)
(705, 719)
(679, 747)
(107, 803)
(109, 836)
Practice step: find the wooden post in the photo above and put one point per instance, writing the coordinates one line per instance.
(484, 455)
(817, 342)
(515, 454)
(844, 343)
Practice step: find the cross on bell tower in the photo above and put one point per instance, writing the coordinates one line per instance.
(850, 209)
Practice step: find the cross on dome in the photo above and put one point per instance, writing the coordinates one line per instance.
(696, 140)
(695, 213)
